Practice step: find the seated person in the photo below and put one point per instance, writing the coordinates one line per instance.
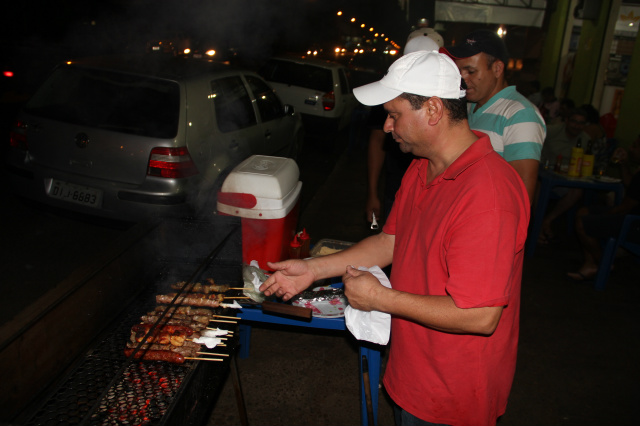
(597, 135)
(597, 223)
(561, 138)
(566, 105)
(550, 107)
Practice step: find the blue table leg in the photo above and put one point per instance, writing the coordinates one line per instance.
(538, 216)
(245, 341)
(373, 358)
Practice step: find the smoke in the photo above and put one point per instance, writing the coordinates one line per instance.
(256, 28)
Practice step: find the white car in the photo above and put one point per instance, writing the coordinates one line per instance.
(130, 137)
(318, 89)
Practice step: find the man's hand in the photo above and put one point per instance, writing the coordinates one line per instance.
(362, 289)
(373, 206)
(290, 278)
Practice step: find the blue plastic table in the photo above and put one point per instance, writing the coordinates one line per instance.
(371, 351)
(548, 180)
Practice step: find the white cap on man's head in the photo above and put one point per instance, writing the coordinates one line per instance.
(424, 73)
(426, 32)
(420, 43)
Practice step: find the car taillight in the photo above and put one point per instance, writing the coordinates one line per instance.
(328, 101)
(18, 135)
(171, 163)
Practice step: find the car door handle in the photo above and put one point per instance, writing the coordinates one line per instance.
(267, 134)
(233, 145)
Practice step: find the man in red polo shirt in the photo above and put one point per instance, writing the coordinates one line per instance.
(456, 236)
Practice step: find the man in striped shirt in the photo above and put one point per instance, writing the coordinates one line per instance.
(514, 124)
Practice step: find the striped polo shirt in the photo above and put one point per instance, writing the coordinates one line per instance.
(514, 125)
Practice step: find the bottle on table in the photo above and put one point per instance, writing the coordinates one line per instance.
(295, 248)
(305, 241)
(575, 164)
(558, 166)
(588, 161)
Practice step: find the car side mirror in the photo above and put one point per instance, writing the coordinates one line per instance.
(289, 110)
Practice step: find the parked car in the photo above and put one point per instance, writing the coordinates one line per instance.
(366, 68)
(318, 89)
(130, 137)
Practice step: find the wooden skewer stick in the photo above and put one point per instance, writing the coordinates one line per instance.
(203, 359)
(229, 332)
(237, 297)
(230, 322)
(236, 288)
(212, 354)
(225, 316)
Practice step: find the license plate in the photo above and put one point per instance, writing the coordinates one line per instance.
(75, 193)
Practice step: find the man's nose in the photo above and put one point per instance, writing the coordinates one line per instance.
(388, 125)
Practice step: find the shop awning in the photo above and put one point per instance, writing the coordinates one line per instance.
(528, 13)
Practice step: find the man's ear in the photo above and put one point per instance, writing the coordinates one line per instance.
(435, 109)
(497, 67)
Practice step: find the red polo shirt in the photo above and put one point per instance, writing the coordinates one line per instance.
(461, 235)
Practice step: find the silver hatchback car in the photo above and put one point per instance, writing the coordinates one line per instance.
(319, 90)
(131, 137)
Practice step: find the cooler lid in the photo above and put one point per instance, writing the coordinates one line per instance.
(263, 176)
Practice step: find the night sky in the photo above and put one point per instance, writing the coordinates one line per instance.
(114, 25)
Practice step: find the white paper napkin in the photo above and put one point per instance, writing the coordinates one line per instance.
(373, 326)
(209, 342)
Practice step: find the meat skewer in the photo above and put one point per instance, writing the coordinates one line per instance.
(193, 323)
(167, 334)
(190, 299)
(150, 355)
(202, 319)
(212, 287)
(167, 356)
(186, 350)
(184, 310)
(169, 329)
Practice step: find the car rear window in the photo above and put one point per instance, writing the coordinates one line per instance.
(302, 75)
(109, 100)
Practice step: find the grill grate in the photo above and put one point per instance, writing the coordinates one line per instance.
(105, 389)
(142, 396)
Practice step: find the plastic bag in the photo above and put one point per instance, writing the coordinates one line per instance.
(253, 278)
(373, 326)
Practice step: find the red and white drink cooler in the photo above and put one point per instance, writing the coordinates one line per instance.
(265, 193)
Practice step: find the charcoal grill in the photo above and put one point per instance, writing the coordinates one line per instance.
(106, 388)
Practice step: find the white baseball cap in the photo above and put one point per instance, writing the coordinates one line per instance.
(426, 32)
(420, 73)
(420, 43)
